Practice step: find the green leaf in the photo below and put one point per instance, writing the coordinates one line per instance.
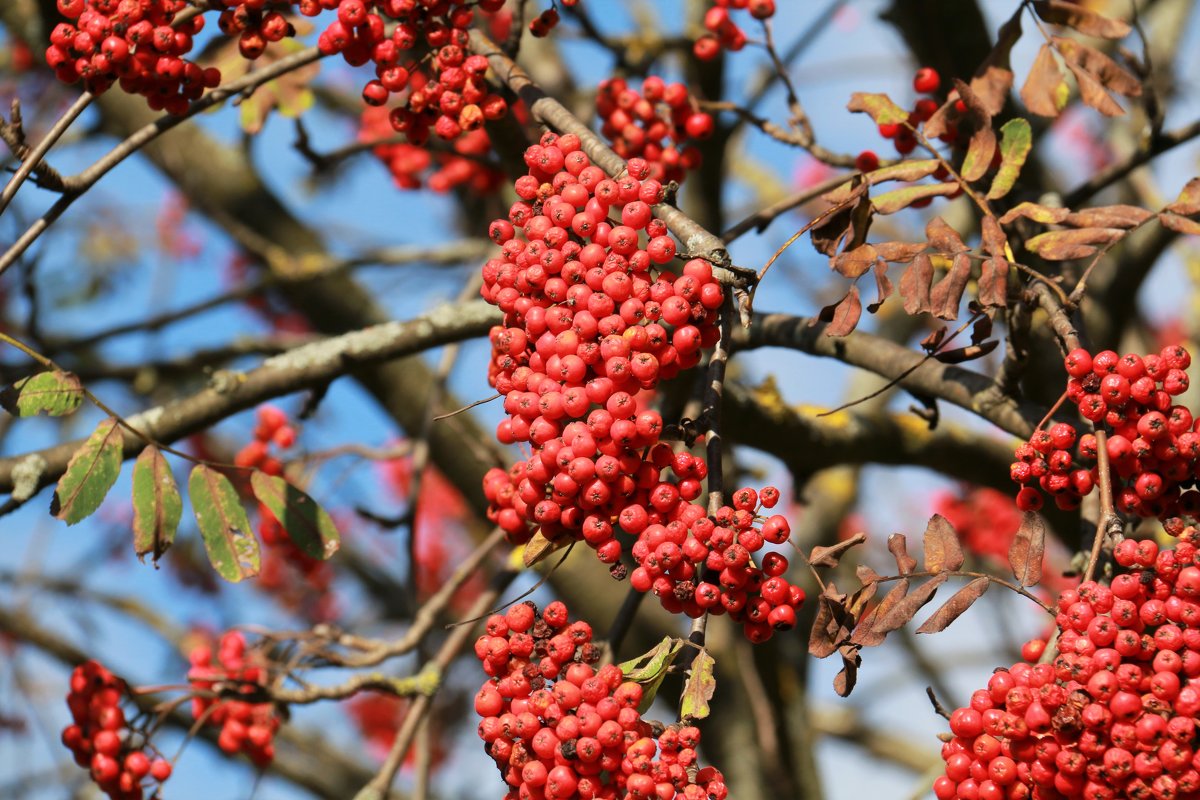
(231, 545)
(54, 393)
(306, 523)
(157, 506)
(900, 199)
(649, 669)
(879, 106)
(1016, 139)
(699, 689)
(91, 472)
(648, 665)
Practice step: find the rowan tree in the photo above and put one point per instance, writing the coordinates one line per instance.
(441, 333)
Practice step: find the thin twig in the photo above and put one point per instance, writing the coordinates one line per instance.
(33, 159)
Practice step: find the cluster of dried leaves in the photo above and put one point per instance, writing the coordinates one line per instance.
(846, 623)
(841, 231)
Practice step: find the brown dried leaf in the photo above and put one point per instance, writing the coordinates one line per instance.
(943, 238)
(942, 550)
(844, 681)
(947, 293)
(1069, 244)
(1099, 68)
(821, 641)
(953, 608)
(992, 236)
(906, 609)
(829, 556)
(981, 330)
(915, 283)
(898, 547)
(1188, 201)
(905, 171)
(1174, 222)
(879, 106)
(1038, 213)
(900, 199)
(858, 601)
(846, 314)
(969, 353)
(1086, 21)
(1092, 93)
(848, 224)
(934, 340)
(854, 263)
(993, 283)
(1027, 549)
(866, 633)
(939, 122)
(899, 252)
(994, 79)
(1118, 216)
(1045, 92)
(883, 286)
(983, 140)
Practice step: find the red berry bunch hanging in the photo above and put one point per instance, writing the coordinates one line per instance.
(1153, 444)
(247, 727)
(592, 321)
(412, 166)
(133, 43)
(253, 24)
(559, 728)
(446, 92)
(101, 739)
(1114, 714)
(724, 33)
(656, 124)
(299, 581)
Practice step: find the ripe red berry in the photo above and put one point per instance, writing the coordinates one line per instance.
(927, 80)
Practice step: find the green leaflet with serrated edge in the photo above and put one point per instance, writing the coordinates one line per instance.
(1016, 140)
(92, 471)
(307, 524)
(55, 393)
(228, 539)
(157, 506)
(699, 689)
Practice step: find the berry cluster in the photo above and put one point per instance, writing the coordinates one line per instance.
(254, 26)
(926, 82)
(655, 124)
(246, 726)
(587, 328)
(301, 582)
(444, 92)
(558, 728)
(1153, 444)
(132, 42)
(411, 166)
(100, 738)
(724, 33)
(1114, 714)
